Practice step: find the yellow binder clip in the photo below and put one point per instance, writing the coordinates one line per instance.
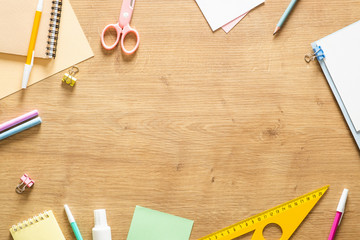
(69, 78)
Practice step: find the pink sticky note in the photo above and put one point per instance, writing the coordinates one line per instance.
(227, 27)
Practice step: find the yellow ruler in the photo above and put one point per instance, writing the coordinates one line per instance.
(288, 216)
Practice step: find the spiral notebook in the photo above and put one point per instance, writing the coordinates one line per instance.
(72, 48)
(338, 57)
(41, 227)
(16, 30)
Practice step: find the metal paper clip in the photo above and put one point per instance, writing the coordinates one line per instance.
(69, 78)
(26, 181)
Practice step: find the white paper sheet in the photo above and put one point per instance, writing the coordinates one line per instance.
(342, 51)
(220, 12)
(227, 28)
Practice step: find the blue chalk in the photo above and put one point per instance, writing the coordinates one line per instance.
(20, 128)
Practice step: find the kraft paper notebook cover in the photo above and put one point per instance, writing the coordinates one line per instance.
(72, 48)
(338, 57)
(17, 18)
(41, 227)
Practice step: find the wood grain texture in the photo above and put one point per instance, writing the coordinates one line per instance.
(208, 126)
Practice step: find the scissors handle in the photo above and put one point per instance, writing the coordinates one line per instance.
(127, 29)
(118, 33)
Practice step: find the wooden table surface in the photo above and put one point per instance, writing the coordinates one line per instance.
(205, 125)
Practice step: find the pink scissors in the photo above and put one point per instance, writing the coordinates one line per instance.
(122, 27)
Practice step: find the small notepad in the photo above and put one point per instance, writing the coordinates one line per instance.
(41, 227)
(148, 224)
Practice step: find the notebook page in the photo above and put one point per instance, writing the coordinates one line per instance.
(342, 51)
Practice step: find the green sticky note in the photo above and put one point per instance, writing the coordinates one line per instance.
(148, 224)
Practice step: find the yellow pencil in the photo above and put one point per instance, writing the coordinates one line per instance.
(31, 51)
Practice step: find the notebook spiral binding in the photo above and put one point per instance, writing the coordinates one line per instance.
(30, 221)
(54, 28)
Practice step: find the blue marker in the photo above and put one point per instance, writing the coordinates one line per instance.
(73, 223)
(20, 128)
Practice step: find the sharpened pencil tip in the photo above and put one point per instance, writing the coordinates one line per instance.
(276, 30)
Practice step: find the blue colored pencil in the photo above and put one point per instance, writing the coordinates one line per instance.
(285, 15)
(20, 128)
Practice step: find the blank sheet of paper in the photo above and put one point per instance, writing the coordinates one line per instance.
(148, 224)
(220, 12)
(342, 51)
(227, 28)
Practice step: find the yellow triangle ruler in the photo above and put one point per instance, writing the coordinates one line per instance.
(288, 216)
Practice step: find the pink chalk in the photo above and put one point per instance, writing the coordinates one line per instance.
(6, 125)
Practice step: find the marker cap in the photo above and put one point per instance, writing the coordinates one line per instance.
(26, 75)
(342, 202)
(68, 213)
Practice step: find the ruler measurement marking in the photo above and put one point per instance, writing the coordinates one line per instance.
(264, 215)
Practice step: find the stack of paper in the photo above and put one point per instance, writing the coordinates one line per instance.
(226, 13)
(341, 69)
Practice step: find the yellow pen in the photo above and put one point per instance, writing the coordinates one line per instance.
(31, 51)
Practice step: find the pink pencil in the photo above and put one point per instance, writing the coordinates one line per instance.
(16, 121)
(339, 213)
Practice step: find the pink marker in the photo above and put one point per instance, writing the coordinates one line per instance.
(18, 120)
(339, 214)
